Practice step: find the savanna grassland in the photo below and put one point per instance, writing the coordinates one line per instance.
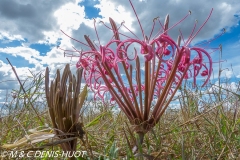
(204, 125)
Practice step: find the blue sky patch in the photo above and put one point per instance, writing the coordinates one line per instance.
(17, 61)
(42, 48)
(7, 43)
(230, 36)
(58, 43)
(90, 10)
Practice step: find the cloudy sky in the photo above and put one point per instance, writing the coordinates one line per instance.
(30, 31)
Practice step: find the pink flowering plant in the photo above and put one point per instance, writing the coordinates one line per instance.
(142, 75)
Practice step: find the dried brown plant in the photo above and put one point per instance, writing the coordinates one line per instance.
(64, 104)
